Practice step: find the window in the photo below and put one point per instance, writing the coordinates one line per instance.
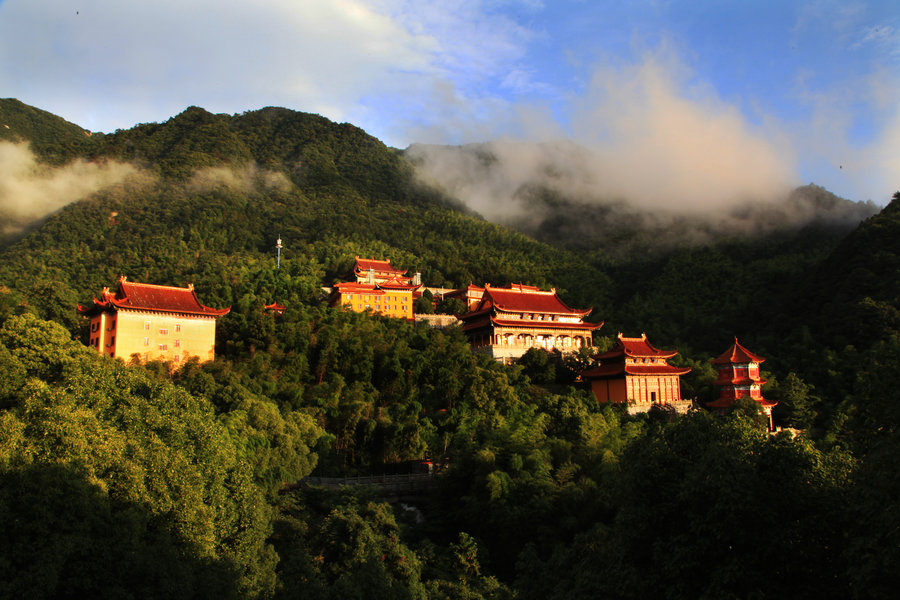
(95, 326)
(146, 341)
(146, 356)
(177, 358)
(178, 343)
(163, 347)
(163, 332)
(177, 327)
(146, 324)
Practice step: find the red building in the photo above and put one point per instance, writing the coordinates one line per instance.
(738, 377)
(638, 375)
(507, 321)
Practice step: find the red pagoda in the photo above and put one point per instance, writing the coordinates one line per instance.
(638, 375)
(738, 377)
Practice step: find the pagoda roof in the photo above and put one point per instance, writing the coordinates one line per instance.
(727, 402)
(275, 306)
(354, 287)
(617, 369)
(486, 320)
(724, 380)
(374, 288)
(737, 354)
(364, 264)
(525, 298)
(155, 298)
(635, 348)
(395, 282)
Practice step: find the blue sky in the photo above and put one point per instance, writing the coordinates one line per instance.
(733, 92)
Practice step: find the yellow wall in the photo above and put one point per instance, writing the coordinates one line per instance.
(391, 303)
(125, 333)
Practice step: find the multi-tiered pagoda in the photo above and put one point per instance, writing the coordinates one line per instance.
(738, 377)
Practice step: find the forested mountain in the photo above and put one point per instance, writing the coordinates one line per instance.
(142, 481)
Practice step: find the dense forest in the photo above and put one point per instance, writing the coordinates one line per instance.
(139, 480)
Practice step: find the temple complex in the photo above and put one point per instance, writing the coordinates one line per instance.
(507, 321)
(738, 377)
(637, 375)
(379, 287)
(152, 322)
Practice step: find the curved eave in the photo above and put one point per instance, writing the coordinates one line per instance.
(399, 286)
(618, 369)
(656, 370)
(727, 402)
(545, 324)
(472, 323)
(206, 312)
(658, 354)
(742, 381)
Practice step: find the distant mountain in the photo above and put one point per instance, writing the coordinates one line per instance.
(51, 137)
(853, 297)
(553, 192)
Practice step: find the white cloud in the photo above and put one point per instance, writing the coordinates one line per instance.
(29, 190)
(106, 64)
(149, 60)
(648, 135)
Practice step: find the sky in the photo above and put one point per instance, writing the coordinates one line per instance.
(677, 94)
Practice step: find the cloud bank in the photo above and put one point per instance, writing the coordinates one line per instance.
(30, 191)
(642, 134)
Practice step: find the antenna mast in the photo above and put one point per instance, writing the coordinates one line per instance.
(278, 247)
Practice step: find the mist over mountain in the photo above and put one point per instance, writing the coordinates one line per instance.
(565, 194)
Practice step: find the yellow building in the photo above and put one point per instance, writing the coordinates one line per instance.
(153, 322)
(387, 298)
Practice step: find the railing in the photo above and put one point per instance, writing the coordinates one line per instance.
(407, 482)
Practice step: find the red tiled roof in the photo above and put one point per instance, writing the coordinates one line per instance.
(615, 369)
(737, 354)
(364, 264)
(396, 282)
(484, 320)
(635, 348)
(352, 287)
(526, 298)
(160, 298)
